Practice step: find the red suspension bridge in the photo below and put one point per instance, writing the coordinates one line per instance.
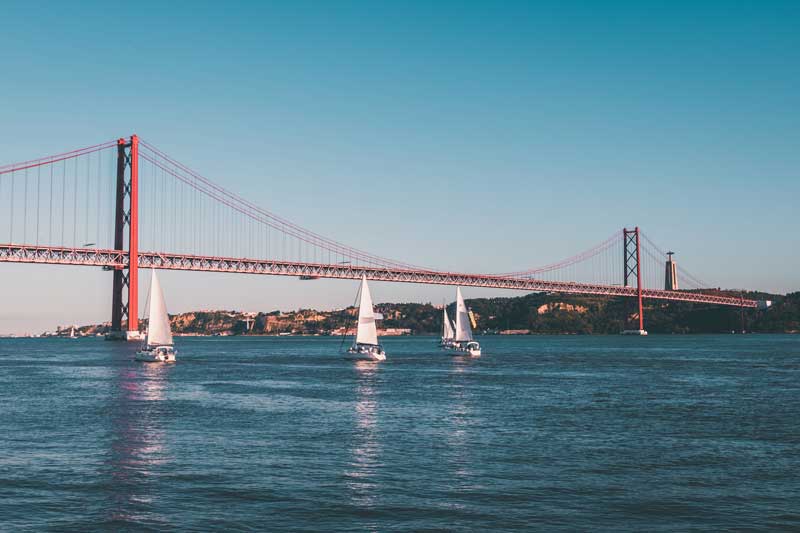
(122, 204)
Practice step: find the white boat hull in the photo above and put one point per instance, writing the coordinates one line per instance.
(160, 354)
(638, 332)
(365, 353)
(471, 353)
(472, 349)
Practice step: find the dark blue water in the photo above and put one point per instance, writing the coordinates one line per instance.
(541, 433)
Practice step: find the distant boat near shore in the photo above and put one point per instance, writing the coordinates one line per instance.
(448, 329)
(637, 332)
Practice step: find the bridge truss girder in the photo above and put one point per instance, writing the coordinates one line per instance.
(115, 259)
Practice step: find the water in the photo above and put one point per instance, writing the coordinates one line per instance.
(574, 433)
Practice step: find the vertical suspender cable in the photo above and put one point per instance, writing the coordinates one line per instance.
(156, 219)
(50, 218)
(183, 216)
(200, 221)
(193, 229)
(11, 210)
(111, 164)
(192, 220)
(38, 199)
(1, 190)
(174, 214)
(75, 207)
(63, 199)
(159, 218)
(25, 211)
(157, 206)
(88, 188)
(151, 208)
(97, 207)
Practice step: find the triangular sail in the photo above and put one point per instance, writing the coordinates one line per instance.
(367, 332)
(463, 329)
(158, 331)
(447, 327)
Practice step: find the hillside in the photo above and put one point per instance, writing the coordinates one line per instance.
(530, 314)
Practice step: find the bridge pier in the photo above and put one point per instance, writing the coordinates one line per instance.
(125, 307)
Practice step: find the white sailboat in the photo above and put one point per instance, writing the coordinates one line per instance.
(158, 346)
(463, 343)
(72, 333)
(448, 332)
(366, 346)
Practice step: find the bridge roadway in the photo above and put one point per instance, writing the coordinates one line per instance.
(112, 259)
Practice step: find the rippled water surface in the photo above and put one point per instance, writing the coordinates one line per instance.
(574, 433)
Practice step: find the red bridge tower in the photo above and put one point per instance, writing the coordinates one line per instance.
(125, 308)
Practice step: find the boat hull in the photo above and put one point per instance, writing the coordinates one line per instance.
(471, 353)
(160, 354)
(635, 332)
(365, 353)
(472, 349)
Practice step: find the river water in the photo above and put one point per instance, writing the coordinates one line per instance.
(664, 433)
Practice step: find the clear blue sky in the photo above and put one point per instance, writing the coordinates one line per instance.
(483, 136)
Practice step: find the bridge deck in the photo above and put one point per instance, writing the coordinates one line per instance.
(20, 253)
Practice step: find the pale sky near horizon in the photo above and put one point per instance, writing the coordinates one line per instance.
(481, 136)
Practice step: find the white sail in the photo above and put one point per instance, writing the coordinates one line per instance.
(158, 331)
(447, 331)
(463, 329)
(367, 332)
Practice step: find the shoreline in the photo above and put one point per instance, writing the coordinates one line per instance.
(431, 335)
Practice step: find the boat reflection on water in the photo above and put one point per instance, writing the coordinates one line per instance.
(138, 444)
(460, 418)
(365, 448)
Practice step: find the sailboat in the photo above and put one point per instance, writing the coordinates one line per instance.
(463, 343)
(72, 333)
(366, 347)
(448, 333)
(158, 347)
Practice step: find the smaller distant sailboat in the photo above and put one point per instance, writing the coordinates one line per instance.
(366, 347)
(463, 343)
(72, 333)
(639, 332)
(448, 332)
(158, 346)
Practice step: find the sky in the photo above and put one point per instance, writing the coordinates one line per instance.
(476, 136)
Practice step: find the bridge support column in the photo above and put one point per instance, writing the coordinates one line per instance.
(133, 240)
(125, 311)
(632, 265)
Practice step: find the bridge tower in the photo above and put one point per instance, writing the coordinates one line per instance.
(125, 307)
(632, 265)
